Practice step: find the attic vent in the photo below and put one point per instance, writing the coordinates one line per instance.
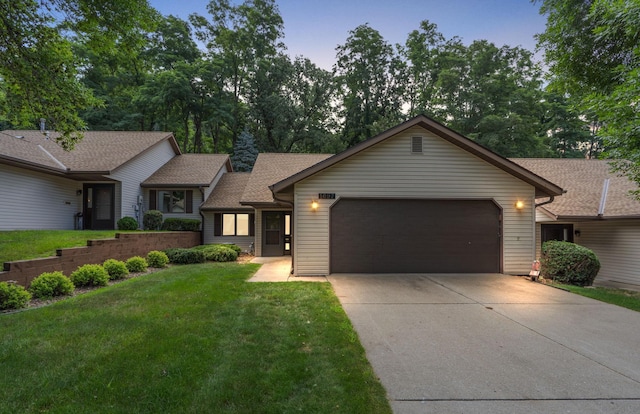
(416, 145)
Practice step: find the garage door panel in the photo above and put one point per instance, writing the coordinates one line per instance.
(415, 236)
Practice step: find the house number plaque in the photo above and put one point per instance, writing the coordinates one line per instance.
(327, 196)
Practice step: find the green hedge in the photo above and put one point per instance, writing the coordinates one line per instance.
(127, 223)
(185, 256)
(90, 275)
(569, 263)
(181, 224)
(13, 296)
(219, 252)
(51, 284)
(117, 269)
(152, 220)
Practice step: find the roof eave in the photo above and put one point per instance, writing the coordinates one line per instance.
(16, 162)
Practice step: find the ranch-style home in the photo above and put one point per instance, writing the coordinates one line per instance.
(416, 198)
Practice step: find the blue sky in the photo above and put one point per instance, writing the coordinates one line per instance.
(314, 28)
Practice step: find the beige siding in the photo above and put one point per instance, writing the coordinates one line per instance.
(388, 169)
(134, 172)
(617, 245)
(35, 200)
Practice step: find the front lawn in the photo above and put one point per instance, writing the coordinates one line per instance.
(189, 339)
(626, 298)
(31, 244)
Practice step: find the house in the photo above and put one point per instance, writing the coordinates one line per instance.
(98, 182)
(597, 212)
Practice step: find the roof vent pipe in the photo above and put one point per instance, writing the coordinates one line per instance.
(603, 199)
(42, 125)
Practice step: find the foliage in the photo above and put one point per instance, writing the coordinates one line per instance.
(116, 269)
(127, 223)
(244, 153)
(173, 332)
(180, 224)
(51, 284)
(157, 259)
(13, 296)
(570, 263)
(89, 275)
(152, 220)
(629, 299)
(219, 253)
(137, 264)
(185, 256)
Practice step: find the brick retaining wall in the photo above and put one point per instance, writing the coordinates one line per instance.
(124, 246)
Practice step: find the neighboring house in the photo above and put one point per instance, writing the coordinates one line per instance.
(597, 212)
(91, 187)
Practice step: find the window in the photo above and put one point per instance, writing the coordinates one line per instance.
(171, 201)
(416, 145)
(233, 224)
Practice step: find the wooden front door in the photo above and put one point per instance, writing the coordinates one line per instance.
(99, 207)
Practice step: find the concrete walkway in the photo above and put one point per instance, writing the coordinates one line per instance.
(278, 269)
(493, 344)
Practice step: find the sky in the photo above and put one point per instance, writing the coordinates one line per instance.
(314, 28)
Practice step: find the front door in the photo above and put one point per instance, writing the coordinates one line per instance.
(274, 233)
(98, 209)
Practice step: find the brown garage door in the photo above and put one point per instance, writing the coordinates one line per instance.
(415, 236)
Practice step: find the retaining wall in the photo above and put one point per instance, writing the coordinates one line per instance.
(124, 246)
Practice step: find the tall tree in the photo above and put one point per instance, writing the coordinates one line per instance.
(37, 66)
(244, 152)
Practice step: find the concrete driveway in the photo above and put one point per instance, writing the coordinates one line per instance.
(493, 344)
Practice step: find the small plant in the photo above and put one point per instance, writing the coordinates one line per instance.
(117, 269)
(157, 259)
(181, 224)
(127, 223)
(13, 296)
(90, 275)
(137, 264)
(51, 284)
(569, 263)
(185, 256)
(219, 253)
(152, 220)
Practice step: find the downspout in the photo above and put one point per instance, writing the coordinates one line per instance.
(289, 203)
(550, 200)
(603, 199)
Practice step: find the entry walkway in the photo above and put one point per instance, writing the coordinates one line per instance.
(278, 269)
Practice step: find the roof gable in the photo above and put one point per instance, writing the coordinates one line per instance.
(543, 187)
(189, 170)
(98, 152)
(584, 181)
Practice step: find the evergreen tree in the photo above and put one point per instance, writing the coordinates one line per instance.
(244, 152)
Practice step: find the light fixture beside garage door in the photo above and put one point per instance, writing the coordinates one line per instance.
(519, 205)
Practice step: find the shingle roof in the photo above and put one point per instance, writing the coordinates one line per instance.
(583, 179)
(99, 151)
(191, 170)
(271, 168)
(228, 192)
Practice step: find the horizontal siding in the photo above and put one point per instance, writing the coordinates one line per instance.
(244, 242)
(33, 200)
(617, 245)
(389, 170)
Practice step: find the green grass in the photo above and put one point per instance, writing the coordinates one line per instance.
(626, 298)
(31, 244)
(189, 339)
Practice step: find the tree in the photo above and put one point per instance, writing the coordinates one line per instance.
(244, 152)
(37, 67)
(592, 49)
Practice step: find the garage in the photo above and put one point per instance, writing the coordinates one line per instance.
(415, 236)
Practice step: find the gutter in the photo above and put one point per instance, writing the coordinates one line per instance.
(550, 200)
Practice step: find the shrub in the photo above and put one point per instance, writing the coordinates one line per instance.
(152, 220)
(13, 296)
(90, 275)
(157, 258)
(181, 224)
(51, 284)
(127, 223)
(137, 264)
(569, 263)
(185, 256)
(117, 269)
(219, 253)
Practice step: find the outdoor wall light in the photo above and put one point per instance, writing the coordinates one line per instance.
(519, 205)
(577, 233)
(314, 205)
(78, 192)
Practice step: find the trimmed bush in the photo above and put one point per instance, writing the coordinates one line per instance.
(90, 275)
(51, 284)
(152, 220)
(127, 223)
(181, 224)
(13, 296)
(117, 269)
(185, 256)
(219, 253)
(137, 264)
(569, 263)
(157, 258)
